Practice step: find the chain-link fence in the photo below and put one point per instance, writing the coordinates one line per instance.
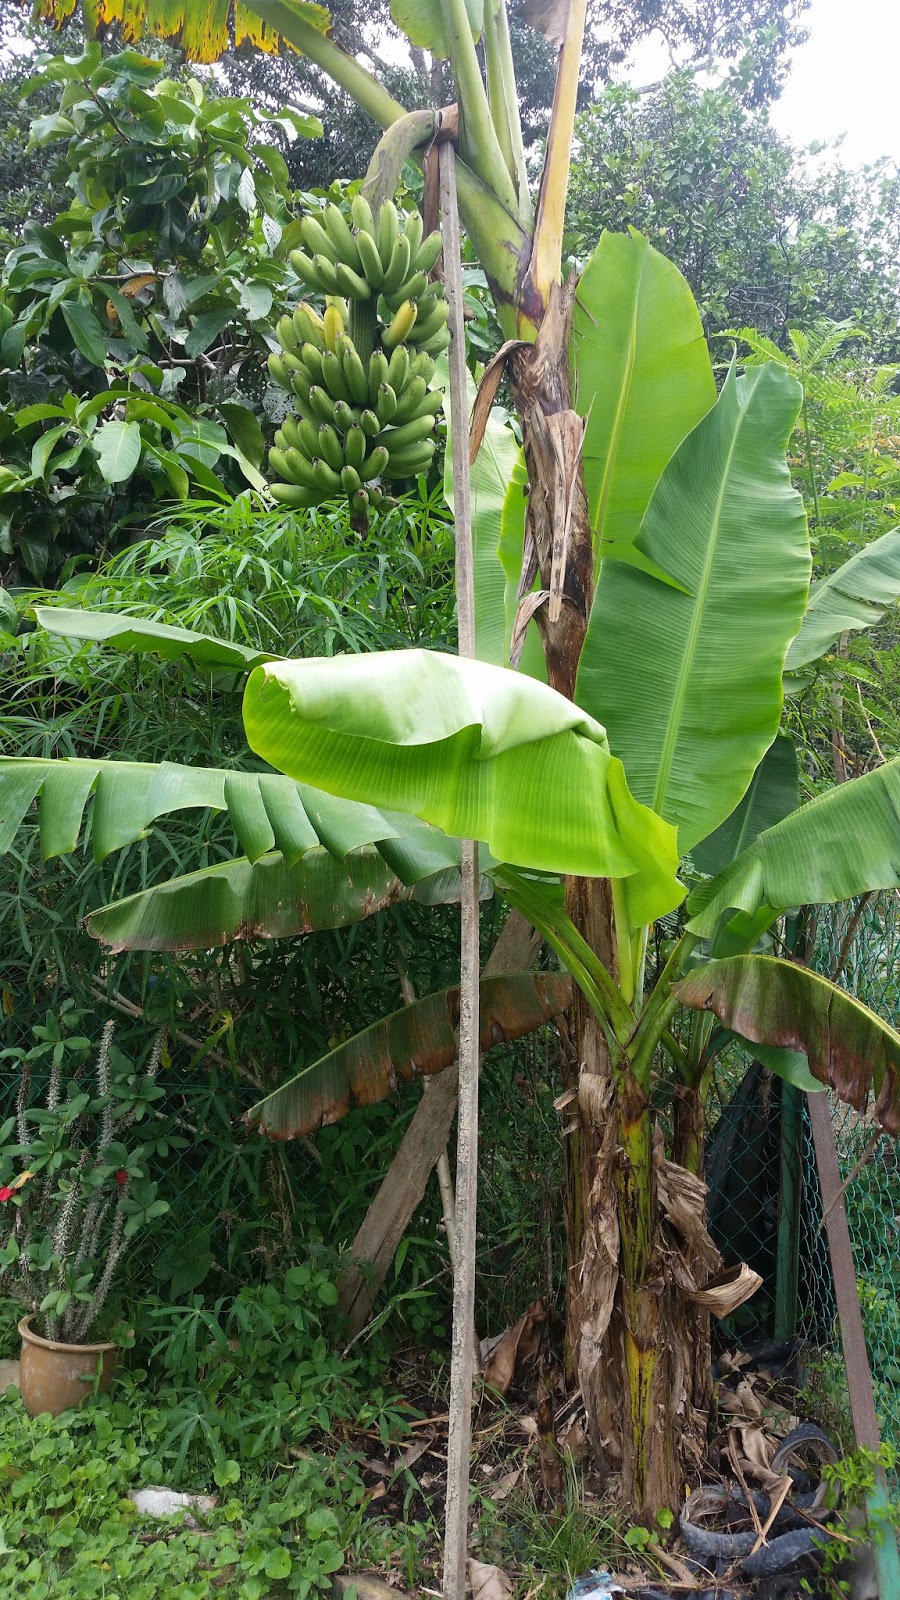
(859, 943)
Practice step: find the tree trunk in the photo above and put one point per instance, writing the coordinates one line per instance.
(637, 1246)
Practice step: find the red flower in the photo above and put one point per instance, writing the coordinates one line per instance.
(121, 1177)
(6, 1193)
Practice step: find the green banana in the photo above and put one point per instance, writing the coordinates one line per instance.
(414, 228)
(326, 274)
(428, 252)
(432, 324)
(344, 416)
(421, 366)
(339, 232)
(359, 502)
(401, 327)
(375, 463)
(299, 469)
(302, 403)
(361, 214)
(388, 229)
(350, 480)
(321, 403)
(386, 404)
(312, 360)
(378, 373)
(427, 301)
(330, 447)
(307, 438)
(285, 334)
(278, 370)
(354, 447)
(409, 462)
(397, 270)
(278, 462)
(355, 377)
(333, 377)
(290, 494)
(305, 269)
(398, 368)
(317, 240)
(410, 289)
(409, 401)
(437, 343)
(369, 423)
(326, 477)
(355, 287)
(308, 326)
(370, 260)
(409, 433)
(281, 439)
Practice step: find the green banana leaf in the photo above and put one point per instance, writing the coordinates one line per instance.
(481, 752)
(419, 1040)
(854, 597)
(263, 899)
(267, 811)
(844, 843)
(643, 380)
(791, 1065)
(774, 1002)
(499, 458)
(136, 633)
(689, 684)
(774, 793)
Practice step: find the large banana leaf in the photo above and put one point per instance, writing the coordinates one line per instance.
(419, 1040)
(854, 597)
(773, 1002)
(268, 812)
(481, 752)
(205, 29)
(135, 633)
(688, 684)
(844, 843)
(774, 793)
(643, 379)
(263, 899)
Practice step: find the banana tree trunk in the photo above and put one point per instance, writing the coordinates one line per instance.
(637, 1242)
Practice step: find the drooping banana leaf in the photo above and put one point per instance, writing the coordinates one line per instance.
(268, 812)
(642, 379)
(791, 1065)
(263, 899)
(844, 843)
(854, 597)
(773, 1002)
(481, 752)
(419, 1040)
(124, 632)
(205, 29)
(689, 684)
(774, 793)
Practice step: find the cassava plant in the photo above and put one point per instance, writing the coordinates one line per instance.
(661, 559)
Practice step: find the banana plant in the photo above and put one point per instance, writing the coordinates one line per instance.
(670, 752)
(660, 560)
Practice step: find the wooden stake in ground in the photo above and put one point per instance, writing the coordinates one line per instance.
(462, 1363)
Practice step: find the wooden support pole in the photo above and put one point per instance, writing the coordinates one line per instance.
(853, 1337)
(462, 1359)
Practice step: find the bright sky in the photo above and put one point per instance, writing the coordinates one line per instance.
(843, 80)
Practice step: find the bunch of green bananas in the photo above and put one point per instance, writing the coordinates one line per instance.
(383, 260)
(359, 421)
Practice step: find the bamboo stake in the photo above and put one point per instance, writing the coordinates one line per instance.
(462, 1361)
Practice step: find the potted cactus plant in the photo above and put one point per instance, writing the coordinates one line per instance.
(74, 1193)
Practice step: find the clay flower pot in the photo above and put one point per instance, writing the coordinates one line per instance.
(54, 1377)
